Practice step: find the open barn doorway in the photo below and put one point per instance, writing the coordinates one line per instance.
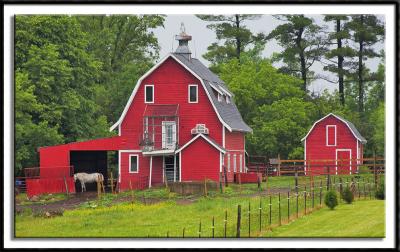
(89, 162)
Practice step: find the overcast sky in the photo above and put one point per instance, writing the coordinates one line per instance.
(202, 37)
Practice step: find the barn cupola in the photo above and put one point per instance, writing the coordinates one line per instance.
(183, 38)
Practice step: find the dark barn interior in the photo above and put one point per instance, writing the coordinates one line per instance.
(89, 162)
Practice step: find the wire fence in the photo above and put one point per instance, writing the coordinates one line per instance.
(264, 212)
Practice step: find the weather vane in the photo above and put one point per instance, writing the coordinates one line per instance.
(183, 28)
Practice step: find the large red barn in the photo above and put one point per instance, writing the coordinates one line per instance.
(332, 140)
(179, 124)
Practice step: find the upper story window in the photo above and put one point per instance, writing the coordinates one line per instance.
(219, 97)
(193, 94)
(330, 135)
(149, 93)
(227, 99)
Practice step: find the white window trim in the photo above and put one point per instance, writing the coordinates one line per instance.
(241, 163)
(229, 162)
(234, 163)
(219, 97)
(145, 93)
(326, 132)
(137, 161)
(197, 93)
(227, 99)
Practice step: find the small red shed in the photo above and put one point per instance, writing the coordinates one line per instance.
(335, 142)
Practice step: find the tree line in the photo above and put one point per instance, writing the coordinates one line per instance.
(74, 74)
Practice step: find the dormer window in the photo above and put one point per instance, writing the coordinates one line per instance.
(227, 99)
(149, 93)
(193, 94)
(219, 97)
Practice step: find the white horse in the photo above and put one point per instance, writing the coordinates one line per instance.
(88, 178)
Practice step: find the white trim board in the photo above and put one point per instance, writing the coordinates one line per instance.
(139, 82)
(336, 162)
(137, 162)
(204, 137)
(327, 135)
(335, 117)
(145, 93)
(197, 93)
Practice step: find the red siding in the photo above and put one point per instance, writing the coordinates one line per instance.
(234, 144)
(315, 143)
(171, 81)
(200, 160)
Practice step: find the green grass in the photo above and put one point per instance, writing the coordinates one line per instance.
(360, 219)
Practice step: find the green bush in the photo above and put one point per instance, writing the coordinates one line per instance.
(347, 195)
(331, 200)
(380, 191)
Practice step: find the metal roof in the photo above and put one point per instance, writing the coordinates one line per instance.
(228, 111)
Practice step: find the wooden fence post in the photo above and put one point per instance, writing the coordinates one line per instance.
(66, 186)
(225, 177)
(320, 193)
(270, 210)
(279, 208)
(358, 188)
(98, 189)
(296, 180)
(249, 218)
(365, 192)
(213, 227)
(260, 213)
(305, 200)
(220, 182)
(239, 216)
(112, 182)
(375, 175)
(279, 164)
(288, 206)
(340, 188)
(200, 229)
(225, 222)
(297, 205)
(328, 183)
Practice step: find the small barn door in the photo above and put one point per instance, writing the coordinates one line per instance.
(168, 134)
(343, 162)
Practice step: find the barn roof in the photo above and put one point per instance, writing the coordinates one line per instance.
(228, 113)
(208, 139)
(349, 124)
(168, 110)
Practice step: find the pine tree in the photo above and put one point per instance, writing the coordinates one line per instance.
(366, 31)
(302, 45)
(234, 35)
(341, 51)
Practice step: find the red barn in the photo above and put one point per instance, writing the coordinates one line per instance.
(179, 124)
(334, 138)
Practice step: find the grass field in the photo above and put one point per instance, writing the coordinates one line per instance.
(174, 213)
(360, 219)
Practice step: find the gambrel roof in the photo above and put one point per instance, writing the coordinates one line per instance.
(227, 113)
(350, 125)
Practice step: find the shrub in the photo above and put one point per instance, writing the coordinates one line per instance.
(331, 200)
(380, 191)
(347, 195)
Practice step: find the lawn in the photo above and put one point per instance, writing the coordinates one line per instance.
(360, 219)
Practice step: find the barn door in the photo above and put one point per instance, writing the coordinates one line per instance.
(343, 162)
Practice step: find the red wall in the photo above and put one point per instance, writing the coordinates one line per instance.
(171, 81)
(200, 160)
(316, 143)
(234, 144)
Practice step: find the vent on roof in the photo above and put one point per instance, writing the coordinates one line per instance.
(200, 128)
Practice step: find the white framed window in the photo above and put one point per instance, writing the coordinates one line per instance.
(133, 163)
(240, 162)
(330, 135)
(227, 99)
(229, 162)
(219, 97)
(168, 132)
(148, 93)
(234, 162)
(193, 94)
